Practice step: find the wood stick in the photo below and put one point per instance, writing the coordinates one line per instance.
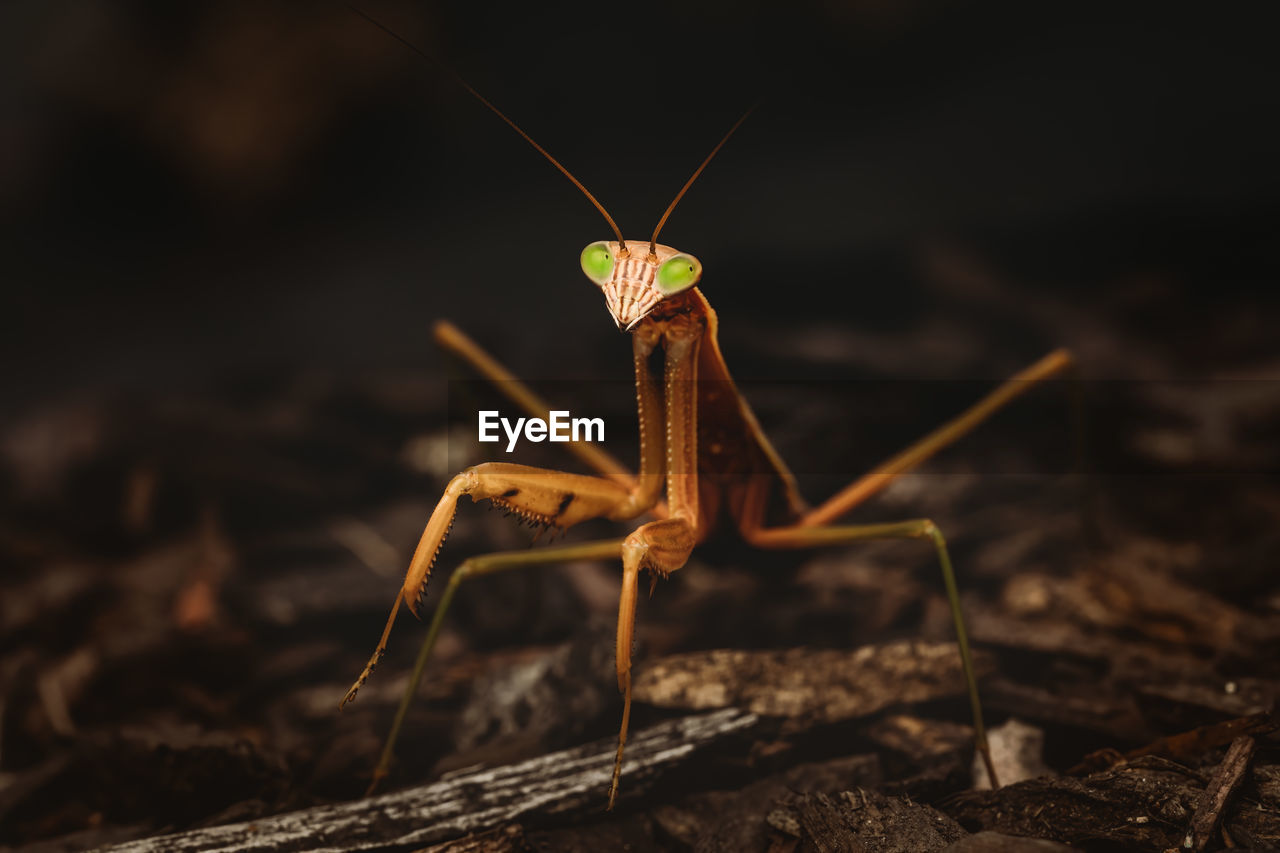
(573, 780)
(1225, 780)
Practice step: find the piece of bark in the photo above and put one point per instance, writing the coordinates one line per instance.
(1133, 591)
(1056, 634)
(504, 839)
(574, 780)
(1182, 747)
(1144, 805)
(807, 685)
(1195, 693)
(924, 759)
(1098, 709)
(1223, 784)
(181, 772)
(730, 821)
(995, 842)
(863, 821)
(550, 699)
(1130, 808)
(921, 740)
(629, 832)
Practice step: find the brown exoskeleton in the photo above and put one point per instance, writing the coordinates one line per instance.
(701, 453)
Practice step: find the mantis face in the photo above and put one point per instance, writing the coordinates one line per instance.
(633, 281)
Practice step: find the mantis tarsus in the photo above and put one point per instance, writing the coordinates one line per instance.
(702, 452)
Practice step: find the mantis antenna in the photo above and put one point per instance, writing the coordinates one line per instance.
(622, 245)
(653, 241)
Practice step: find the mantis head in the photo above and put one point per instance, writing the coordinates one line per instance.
(636, 275)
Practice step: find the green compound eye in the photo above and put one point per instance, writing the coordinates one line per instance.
(678, 273)
(597, 262)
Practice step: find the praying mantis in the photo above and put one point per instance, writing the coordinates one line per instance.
(702, 456)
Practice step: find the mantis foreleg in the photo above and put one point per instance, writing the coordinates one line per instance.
(537, 495)
(542, 496)
(663, 546)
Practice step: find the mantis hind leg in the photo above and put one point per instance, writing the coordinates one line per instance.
(1055, 364)
(473, 568)
(813, 528)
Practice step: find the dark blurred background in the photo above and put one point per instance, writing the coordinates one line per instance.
(226, 229)
(198, 189)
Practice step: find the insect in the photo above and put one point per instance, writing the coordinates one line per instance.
(703, 455)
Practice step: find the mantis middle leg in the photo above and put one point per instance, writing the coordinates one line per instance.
(472, 568)
(813, 529)
(922, 528)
